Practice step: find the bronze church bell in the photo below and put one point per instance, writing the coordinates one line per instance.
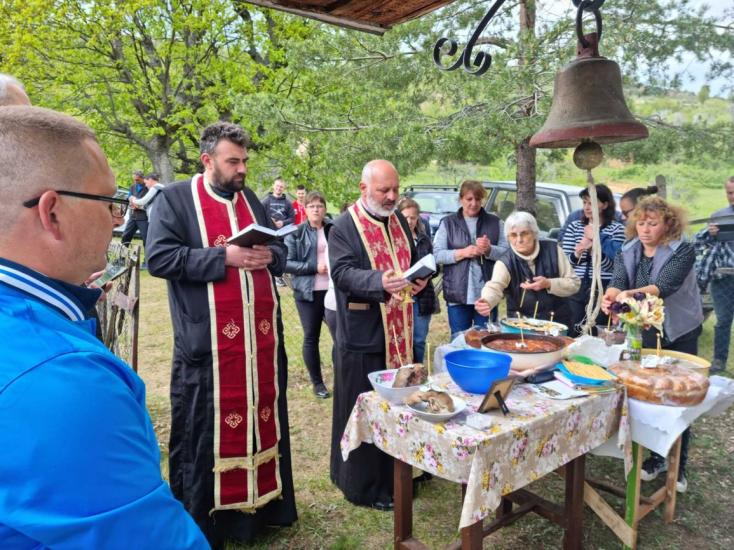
(588, 103)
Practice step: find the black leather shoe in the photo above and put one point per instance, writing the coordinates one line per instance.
(320, 391)
(383, 506)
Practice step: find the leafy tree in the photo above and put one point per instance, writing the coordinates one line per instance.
(704, 93)
(146, 72)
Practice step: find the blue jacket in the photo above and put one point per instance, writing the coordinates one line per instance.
(80, 465)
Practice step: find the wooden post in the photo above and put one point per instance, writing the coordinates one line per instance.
(632, 501)
(662, 185)
(671, 481)
(574, 508)
(403, 497)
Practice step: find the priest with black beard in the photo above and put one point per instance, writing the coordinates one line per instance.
(370, 245)
(229, 452)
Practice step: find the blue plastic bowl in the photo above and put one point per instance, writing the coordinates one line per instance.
(475, 370)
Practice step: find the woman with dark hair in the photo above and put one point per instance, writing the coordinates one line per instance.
(467, 244)
(425, 303)
(657, 261)
(578, 241)
(629, 200)
(308, 261)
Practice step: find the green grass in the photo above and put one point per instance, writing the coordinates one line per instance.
(703, 520)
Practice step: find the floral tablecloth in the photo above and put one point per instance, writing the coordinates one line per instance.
(538, 436)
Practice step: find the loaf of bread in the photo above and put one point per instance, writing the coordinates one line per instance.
(664, 384)
(473, 337)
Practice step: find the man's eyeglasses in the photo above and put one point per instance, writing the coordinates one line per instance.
(118, 207)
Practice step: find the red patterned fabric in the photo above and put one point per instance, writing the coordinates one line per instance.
(385, 253)
(243, 311)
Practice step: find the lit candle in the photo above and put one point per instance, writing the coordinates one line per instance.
(397, 348)
(428, 359)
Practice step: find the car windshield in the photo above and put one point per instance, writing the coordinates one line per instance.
(437, 202)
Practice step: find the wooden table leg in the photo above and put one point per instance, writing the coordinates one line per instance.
(671, 481)
(471, 537)
(504, 508)
(574, 509)
(632, 501)
(403, 500)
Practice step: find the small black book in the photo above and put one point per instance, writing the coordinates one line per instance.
(257, 234)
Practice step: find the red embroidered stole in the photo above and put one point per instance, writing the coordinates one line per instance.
(389, 253)
(243, 308)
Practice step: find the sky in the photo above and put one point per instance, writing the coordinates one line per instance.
(694, 72)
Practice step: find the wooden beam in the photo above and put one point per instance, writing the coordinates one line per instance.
(672, 480)
(403, 511)
(632, 502)
(608, 515)
(338, 21)
(574, 505)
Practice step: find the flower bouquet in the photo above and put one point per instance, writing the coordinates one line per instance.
(637, 312)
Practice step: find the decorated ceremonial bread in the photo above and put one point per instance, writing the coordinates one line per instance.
(665, 384)
(436, 401)
(410, 375)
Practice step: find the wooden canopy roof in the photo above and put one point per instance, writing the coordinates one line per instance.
(376, 16)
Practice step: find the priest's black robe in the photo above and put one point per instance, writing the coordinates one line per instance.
(174, 252)
(367, 475)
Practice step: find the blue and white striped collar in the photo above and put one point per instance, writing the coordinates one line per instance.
(70, 300)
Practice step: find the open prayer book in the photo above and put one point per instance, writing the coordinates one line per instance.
(425, 267)
(257, 234)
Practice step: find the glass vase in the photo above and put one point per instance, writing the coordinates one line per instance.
(633, 343)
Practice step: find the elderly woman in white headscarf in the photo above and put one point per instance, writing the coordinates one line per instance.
(538, 267)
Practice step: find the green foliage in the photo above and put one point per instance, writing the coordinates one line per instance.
(320, 101)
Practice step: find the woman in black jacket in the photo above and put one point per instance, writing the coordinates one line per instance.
(425, 303)
(308, 261)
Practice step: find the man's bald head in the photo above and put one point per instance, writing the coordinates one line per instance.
(40, 149)
(12, 91)
(380, 186)
(378, 169)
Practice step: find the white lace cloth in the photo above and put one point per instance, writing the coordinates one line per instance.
(656, 427)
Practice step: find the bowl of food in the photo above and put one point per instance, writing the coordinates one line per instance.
(611, 336)
(513, 325)
(435, 406)
(527, 351)
(394, 385)
(474, 370)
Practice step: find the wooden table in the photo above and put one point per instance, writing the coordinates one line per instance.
(494, 465)
(570, 516)
(637, 506)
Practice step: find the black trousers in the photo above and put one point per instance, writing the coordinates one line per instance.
(312, 314)
(131, 227)
(687, 343)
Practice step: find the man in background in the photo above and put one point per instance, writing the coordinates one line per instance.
(138, 219)
(89, 468)
(299, 205)
(12, 91)
(722, 278)
(277, 205)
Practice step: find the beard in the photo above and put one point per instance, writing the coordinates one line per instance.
(384, 209)
(232, 185)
